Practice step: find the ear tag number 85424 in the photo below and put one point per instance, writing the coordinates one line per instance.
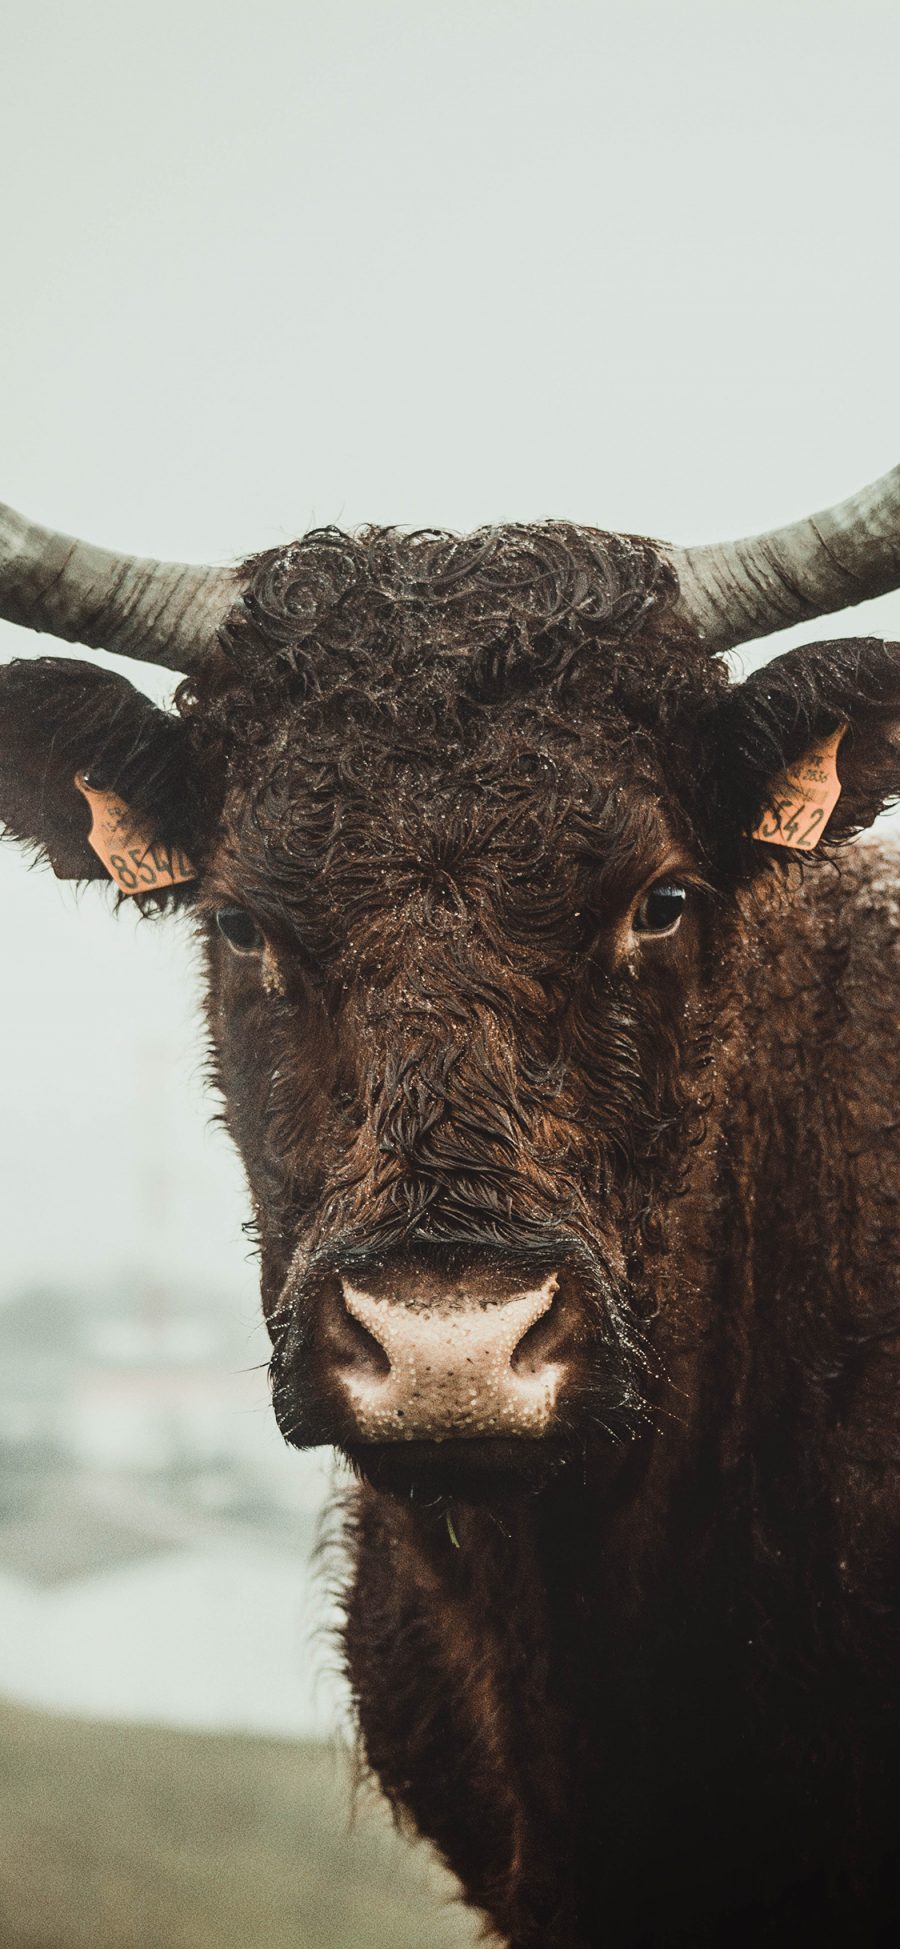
(128, 846)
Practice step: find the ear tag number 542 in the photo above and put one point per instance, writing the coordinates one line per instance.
(803, 798)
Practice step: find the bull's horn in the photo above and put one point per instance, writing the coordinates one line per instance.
(161, 612)
(734, 590)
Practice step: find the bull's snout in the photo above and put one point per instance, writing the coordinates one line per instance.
(437, 1360)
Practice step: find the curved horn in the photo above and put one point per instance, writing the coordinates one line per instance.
(734, 590)
(161, 612)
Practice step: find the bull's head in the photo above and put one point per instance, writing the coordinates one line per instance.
(470, 823)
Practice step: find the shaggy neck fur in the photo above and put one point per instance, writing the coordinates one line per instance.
(651, 1705)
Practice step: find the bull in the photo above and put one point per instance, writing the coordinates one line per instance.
(555, 1021)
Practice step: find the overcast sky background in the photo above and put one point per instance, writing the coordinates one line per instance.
(267, 267)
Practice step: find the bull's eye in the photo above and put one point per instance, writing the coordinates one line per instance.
(240, 929)
(660, 908)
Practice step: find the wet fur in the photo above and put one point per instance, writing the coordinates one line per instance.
(654, 1699)
(657, 1703)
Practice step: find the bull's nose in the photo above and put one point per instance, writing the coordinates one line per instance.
(449, 1363)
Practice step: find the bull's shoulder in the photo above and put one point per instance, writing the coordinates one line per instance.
(820, 1001)
(863, 882)
(848, 1017)
(853, 916)
(868, 887)
(845, 1214)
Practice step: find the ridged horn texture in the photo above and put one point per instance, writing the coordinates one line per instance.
(161, 612)
(732, 591)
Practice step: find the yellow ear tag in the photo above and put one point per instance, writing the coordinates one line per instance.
(804, 798)
(128, 846)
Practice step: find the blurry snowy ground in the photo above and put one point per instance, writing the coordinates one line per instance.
(155, 1534)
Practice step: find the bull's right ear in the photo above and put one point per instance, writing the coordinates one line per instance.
(59, 717)
(808, 747)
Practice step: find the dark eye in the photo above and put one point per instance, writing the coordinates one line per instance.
(240, 929)
(660, 909)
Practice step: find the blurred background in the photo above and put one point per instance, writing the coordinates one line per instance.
(628, 261)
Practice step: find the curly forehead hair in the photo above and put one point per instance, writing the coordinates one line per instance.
(410, 637)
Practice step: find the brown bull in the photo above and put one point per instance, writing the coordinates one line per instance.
(569, 1109)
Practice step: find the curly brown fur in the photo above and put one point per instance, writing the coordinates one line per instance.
(641, 1688)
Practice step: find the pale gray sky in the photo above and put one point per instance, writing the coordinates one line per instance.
(631, 261)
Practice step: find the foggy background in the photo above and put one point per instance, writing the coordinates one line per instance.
(264, 268)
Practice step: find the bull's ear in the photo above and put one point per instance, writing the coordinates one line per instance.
(59, 717)
(807, 749)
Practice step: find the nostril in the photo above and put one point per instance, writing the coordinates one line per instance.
(353, 1345)
(540, 1344)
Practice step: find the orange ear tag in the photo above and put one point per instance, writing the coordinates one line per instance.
(804, 798)
(128, 846)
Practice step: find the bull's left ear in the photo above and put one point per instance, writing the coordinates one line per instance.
(61, 721)
(807, 749)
